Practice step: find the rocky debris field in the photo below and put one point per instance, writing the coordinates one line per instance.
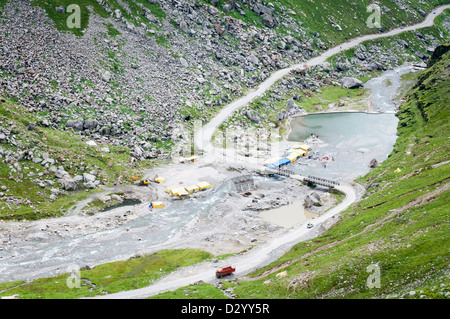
(128, 82)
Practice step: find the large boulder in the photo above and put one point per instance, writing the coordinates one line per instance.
(373, 163)
(251, 115)
(88, 177)
(68, 183)
(90, 124)
(106, 76)
(262, 9)
(292, 108)
(183, 26)
(268, 20)
(75, 125)
(252, 59)
(351, 83)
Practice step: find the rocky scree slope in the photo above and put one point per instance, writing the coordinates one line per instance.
(137, 71)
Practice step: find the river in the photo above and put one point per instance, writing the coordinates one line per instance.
(353, 139)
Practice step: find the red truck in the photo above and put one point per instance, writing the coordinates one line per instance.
(225, 271)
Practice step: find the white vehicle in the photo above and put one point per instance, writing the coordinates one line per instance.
(310, 225)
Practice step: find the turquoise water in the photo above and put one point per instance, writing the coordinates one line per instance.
(352, 139)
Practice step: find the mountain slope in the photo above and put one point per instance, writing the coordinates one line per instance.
(144, 69)
(401, 225)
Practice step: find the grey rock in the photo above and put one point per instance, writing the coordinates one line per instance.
(360, 56)
(90, 124)
(118, 14)
(68, 183)
(251, 115)
(37, 160)
(341, 66)
(89, 185)
(313, 199)
(183, 26)
(252, 59)
(41, 184)
(282, 115)
(184, 62)
(88, 177)
(60, 9)
(403, 43)
(75, 125)
(291, 105)
(78, 178)
(106, 76)
(227, 7)
(351, 83)
(262, 9)
(61, 173)
(268, 20)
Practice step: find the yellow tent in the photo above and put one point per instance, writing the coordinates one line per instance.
(203, 185)
(157, 204)
(304, 147)
(293, 157)
(298, 151)
(168, 190)
(179, 191)
(159, 180)
(192, 189)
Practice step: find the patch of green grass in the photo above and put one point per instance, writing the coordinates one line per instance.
(196, 291)
(330, 94)
(60, 19)
(155, 8)
(112, 32)
(133, 273)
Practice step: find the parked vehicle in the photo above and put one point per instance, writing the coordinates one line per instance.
(225, 271)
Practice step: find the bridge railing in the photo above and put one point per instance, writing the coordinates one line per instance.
(312, 179)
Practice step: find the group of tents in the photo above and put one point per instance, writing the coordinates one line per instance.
(182, 191)
(293, 154)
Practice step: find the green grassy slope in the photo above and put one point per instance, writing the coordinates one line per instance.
(319, 16)
(401, 225)
(112, 277)
(323, 16)
(20, 196)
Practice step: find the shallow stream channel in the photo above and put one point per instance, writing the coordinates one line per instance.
(352, 139)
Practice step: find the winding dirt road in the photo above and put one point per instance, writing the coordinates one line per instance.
(203, 136)
(267, 252)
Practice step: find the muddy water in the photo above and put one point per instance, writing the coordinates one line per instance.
(287, 216)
